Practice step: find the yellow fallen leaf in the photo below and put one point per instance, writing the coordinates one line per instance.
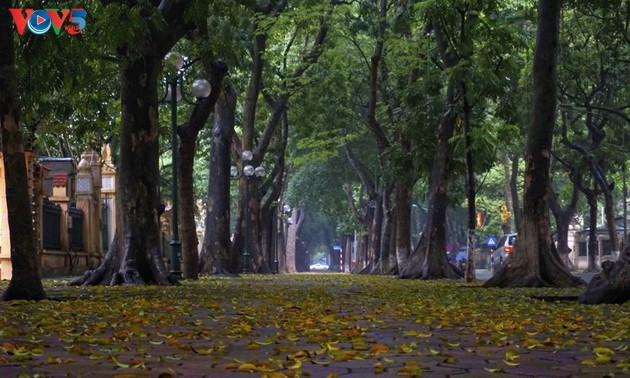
(624, 365)
(510, 363)
(378, 349)
(247, 367)
(511, 355)
(320, 362)
(411, 369)
(345, 355)
(96, 356)
(274, 374)
(202, 352)
(450, 360)
(494, 370)
(120, 364)
(603, 352)
(295, 365)
(264, 342)
(601, 360)
(299, 355)
(378, 368)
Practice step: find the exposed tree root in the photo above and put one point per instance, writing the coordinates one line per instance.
(612, 285)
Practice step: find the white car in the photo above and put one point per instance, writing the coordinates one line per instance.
(319, 266)
(505, 246)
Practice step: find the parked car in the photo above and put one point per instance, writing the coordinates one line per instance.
(505, 246)
(319, 266)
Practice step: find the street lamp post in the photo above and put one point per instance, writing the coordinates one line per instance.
(200, 89)
(250, 172)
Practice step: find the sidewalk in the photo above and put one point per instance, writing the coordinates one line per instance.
(317, 325)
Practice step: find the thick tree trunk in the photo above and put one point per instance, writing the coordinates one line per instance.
(135, 257)
(215, 255)
(562, 229)
(188, 226)
(563, 217)
(507, 192)
(295, 223)
(188, 132)
(402, 218)
(25, 282)
(376, 231)
(259, 261)
(138, 259)
(611, 223)
(266, 230)
(517, 209)
(281, 237)
(535, 261)
(469, 274)
(593, 248)
(387, 260)
(361, 253)
(612, 285)
(428, 260)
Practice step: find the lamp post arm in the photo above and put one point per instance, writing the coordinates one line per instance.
(216, 72)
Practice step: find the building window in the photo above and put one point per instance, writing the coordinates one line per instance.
(582, 249)
(606, 248)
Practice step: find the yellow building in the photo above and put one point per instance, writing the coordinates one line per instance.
(5, 240)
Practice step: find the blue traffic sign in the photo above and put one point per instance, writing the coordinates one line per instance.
(491, 241)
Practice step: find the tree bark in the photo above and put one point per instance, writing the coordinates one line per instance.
(402, 218)
(376, 231)
(507, 193)
(387, 260)
(471, 194)
(295, 223)
(535, 261)
(134, 257)
(215, 255)
(188, 132)
(593, 250)
(428, 259)
(564, 216)
(25, 282)
(517, 209)
(612, 285)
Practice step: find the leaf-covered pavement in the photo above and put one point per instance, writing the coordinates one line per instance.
(317, 325)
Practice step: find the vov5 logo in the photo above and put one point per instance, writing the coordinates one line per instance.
(41, 20)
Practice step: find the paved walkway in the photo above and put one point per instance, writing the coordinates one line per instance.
(317, 325)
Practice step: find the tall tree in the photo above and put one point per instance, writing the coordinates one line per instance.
(134, 256)
(25, 282)
(188, 133)
(286, 77)
(535, 261)
(215, 252)
(428, 259)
